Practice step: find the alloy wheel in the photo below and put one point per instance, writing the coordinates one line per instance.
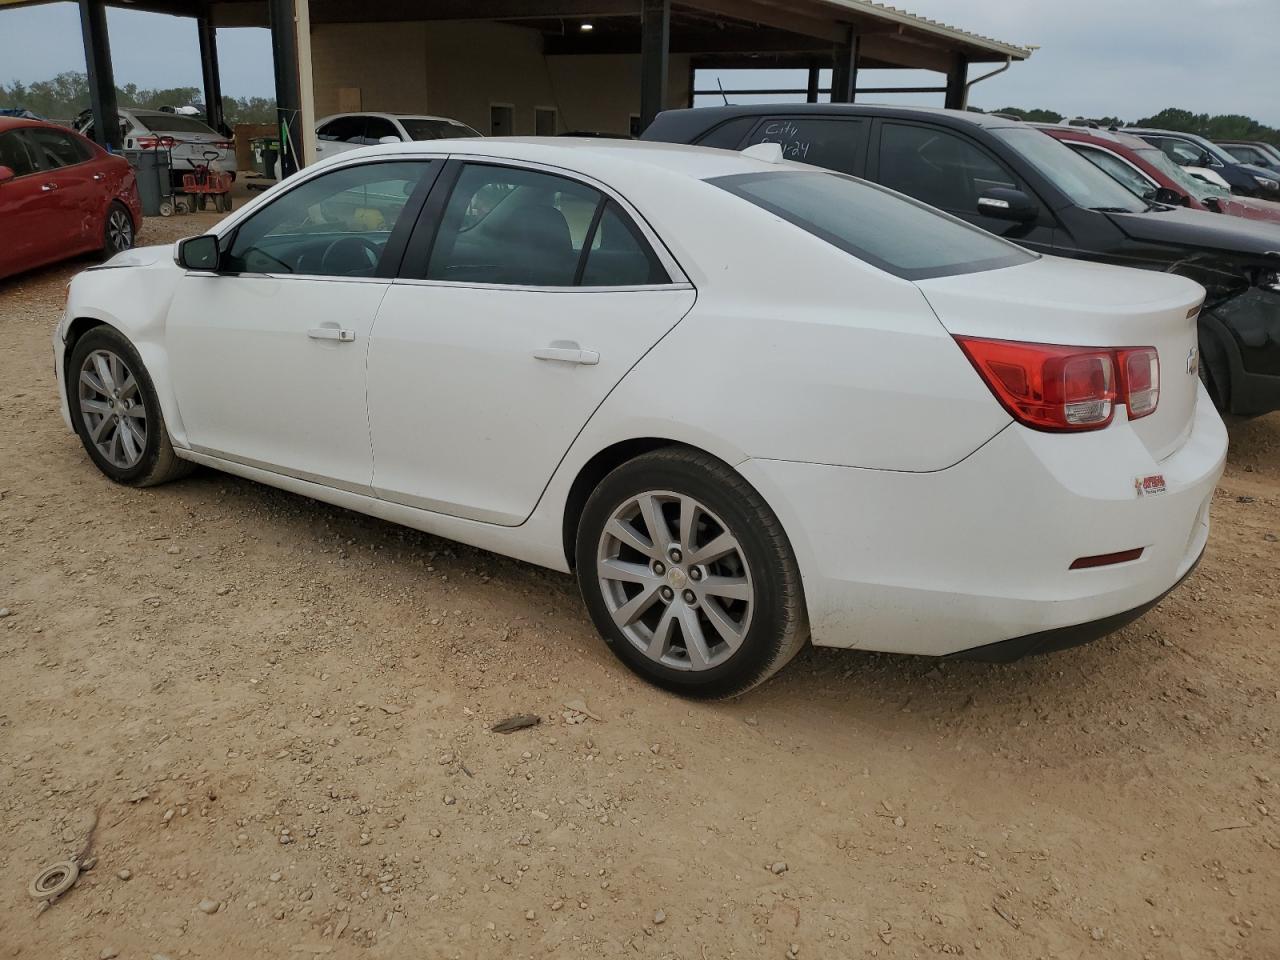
(675, 580)
(111, 406)
(119, 230)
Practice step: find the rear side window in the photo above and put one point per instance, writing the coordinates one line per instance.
(837, 144)
(343, 130)
(893, 233)
(57, 149)
(518, 227)
(728, 135)
(16, 154)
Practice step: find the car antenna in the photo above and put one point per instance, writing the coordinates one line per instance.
(725, 96)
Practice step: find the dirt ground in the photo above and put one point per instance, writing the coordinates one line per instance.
(280, 712)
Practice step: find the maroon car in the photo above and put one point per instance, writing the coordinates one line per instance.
(1145, 169)
(61, 195)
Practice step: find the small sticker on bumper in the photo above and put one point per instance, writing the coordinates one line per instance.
(1149, 486)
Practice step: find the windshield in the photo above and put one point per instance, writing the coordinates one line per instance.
(420, 128)
(1197, 188)
(887, 230)
(1080, 180)
(174, 123)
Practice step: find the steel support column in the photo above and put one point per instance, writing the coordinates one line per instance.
(811, 94)
(655, 45)
(844, 73)
(291, 53)
(208, 38)
(102, 81)
(957, 77)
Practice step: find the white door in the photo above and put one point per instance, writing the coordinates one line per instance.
(268, 354)
(537, 298)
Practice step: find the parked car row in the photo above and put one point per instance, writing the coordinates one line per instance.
(1008, 177)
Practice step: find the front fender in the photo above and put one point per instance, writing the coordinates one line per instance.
(133, 296)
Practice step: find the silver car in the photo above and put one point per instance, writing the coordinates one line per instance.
(194, 141)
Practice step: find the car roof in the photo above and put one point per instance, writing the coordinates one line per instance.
(1063, 131)
(392, 116)
(593, 156)
(713, 115)
(13, 123)
(1163, 133)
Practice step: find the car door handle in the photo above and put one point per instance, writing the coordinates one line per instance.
(46, 187)
(567, 351)
(331, 333)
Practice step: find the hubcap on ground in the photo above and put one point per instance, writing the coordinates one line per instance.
(112, 409)
(119, 231)
(675, 580)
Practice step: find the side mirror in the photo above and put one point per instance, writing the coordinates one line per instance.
(198, 253)
(388, 139)
(7, 174)
(1171, 197)
(1213, 204)
(1004, 203)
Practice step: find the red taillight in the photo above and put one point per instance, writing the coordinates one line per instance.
(1059, 388)
(1140, 380)
(223, 144)
(148, 143)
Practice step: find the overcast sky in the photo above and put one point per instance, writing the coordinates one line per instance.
(1127, 58)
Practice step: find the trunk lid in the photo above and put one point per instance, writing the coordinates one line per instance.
(1075, 303)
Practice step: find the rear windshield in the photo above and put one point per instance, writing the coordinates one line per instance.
(419, 128)
(174, 123)
(887, 230)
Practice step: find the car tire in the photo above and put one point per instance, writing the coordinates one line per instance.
(724, 575)
(117, 230)
(116, 413)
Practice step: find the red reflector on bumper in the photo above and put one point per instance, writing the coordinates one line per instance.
(1106, 559)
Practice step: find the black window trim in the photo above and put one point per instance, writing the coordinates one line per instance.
(1018, 254)
(392, 256)
(422, 240)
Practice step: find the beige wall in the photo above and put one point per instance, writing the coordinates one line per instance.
(459, 69)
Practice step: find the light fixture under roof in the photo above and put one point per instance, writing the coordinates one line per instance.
(586, 27)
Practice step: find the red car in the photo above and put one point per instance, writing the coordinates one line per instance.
(1145, 169)
(61, 195)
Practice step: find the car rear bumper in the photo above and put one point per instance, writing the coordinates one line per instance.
(980, 553)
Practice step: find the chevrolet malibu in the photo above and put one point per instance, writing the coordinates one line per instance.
(749, 403)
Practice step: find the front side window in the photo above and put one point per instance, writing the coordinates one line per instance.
(895, 234)
(937, 167)
(1083, 183)
(1197, 188)
(57, 149)
(505, 225)
(1118, 170)
(17, 154)
(336, 225)
(836, 144)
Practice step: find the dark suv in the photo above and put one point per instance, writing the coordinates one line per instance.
(1016, 181)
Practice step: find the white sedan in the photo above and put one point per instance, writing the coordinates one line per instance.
(343, 132)
(749, 403)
